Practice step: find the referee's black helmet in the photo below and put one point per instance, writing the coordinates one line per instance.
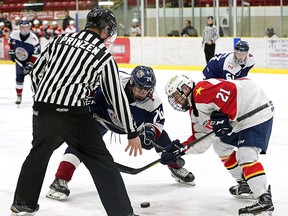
(102, 18)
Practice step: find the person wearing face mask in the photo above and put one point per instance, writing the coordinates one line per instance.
(231, 65)
(24, 50)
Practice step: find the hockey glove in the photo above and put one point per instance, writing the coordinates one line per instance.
(148, 137)
(220, 124)
(172, 152)
(11, 55)
(28, 68)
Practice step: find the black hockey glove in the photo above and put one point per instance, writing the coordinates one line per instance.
(28, 68)
(220, 124)
(11, 55)
(147, 137)
(172, 152)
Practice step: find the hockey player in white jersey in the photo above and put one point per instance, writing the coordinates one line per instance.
(213, 104)
(24, 50)
(147, 110)
(232, 65)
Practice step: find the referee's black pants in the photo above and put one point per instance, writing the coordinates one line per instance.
(79, 131)
(209, 51)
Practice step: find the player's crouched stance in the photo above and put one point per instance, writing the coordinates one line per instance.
(214, 104)
(147, 111)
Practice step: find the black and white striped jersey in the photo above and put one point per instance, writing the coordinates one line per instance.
(71, 67)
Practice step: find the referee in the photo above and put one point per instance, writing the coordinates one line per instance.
(63, 78)
(210, 35)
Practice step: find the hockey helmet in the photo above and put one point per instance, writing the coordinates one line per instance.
(24, 26)
(240, 52)
(103, 19)
(242, 46)
(142, 82)
(174, 92)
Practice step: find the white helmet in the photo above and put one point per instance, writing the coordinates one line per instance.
(174, 85)
(36, 22)
(135, 21)
(71, 22)
(54, 23)
(45, 22)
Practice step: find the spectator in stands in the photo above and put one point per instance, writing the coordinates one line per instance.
(210, 35)
(188, 30)
(7, 22)
(71, 27)
(4, 30)
(135, 29)
(37, 29)
(270, 33)
(66, 20)
(15, 25)
(46, 26)
(35, 17)
(54, 29)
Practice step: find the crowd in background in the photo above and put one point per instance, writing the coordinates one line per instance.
(48, 29)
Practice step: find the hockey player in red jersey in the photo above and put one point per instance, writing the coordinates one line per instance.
(24, 50)
(213, 104)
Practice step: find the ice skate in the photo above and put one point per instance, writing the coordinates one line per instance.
(18, 99)
(58, 190)
(241, 190)
(263, 206)
(182, 175)
(23, 210)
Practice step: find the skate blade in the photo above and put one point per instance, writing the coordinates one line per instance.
(192, 183)
(266, 213)
(244, 196)
(22, 214)
(56, 195)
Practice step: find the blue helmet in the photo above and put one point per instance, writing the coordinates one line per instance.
(242, 46)
(143, 77)
(24, 26)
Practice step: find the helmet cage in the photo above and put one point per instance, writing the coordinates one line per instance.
(242, 47)
(24, 27)
(175, 93)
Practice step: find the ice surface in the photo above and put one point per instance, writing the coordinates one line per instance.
(210, 196)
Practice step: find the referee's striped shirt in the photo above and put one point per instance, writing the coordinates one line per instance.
(210, 33)
(71, 67)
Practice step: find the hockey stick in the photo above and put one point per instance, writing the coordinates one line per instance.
(133, 171)
(19, 63)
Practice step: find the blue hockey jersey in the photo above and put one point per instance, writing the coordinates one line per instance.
(27, 50)
(149, 111)
(224, 66)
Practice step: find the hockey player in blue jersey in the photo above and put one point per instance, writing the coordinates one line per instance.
(147, 110)
(230, 65)
(24, 50)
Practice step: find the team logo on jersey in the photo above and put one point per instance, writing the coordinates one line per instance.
(21, 54)
(198, 91)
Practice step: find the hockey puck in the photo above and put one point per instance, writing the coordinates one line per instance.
(145, 205)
